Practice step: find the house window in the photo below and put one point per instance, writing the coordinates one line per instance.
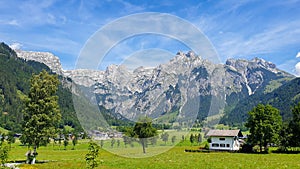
(222, 145)
(222, 139)
(227, 145)
(215, 145)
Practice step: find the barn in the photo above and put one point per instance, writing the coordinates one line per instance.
(227, 140)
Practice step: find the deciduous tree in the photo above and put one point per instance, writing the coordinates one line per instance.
(285, 137)
(165, 137)
(192, 139)
(66, 138)
(10, 138)
(294, 127)
(112, 143)
(153, 140)
(199, 138)
(173, 139)
(41, 113)
(118, 143)
(129, 136)
(4, 149)
(143, 129)
(265, 125)
(101, 143)
(74, 140)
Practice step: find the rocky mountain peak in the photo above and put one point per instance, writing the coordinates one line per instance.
(47, 58)
(84, 77)
(264, 63)
(190, 54)
(241, 64)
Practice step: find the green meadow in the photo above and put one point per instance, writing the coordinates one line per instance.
(54, 156)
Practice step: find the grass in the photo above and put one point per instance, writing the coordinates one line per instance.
(274, 84)
(175, 157)
(2, 130)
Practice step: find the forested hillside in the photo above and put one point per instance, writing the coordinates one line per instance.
(283, 98)
(15, 74)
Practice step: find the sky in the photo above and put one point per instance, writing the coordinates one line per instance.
(245, 29)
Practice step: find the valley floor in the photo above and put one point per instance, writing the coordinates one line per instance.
(59, 158)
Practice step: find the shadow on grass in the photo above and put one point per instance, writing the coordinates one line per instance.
(285, 152)
(264, 152)
(197, 151)
(37, 161)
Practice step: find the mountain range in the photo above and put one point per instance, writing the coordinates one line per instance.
(186, 88)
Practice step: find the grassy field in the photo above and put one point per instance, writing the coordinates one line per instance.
(175, 157)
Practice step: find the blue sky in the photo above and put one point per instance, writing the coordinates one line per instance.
(251, 28)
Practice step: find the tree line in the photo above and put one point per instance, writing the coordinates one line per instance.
(267, 128)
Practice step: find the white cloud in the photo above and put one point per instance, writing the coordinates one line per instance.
(274, 38)
(241, 37)
(13, 22)
(298, 55)
(297, 69)
(51, 19)
(145, 23)
(15, 46)
(130, 8)
(147, 58)
(288, 65)
(33, 14)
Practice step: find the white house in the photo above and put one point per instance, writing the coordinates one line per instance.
(227, 140)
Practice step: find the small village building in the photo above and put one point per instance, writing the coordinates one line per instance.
(227, 140)
(104, 135)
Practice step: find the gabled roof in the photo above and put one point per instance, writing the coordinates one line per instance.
(223, 133)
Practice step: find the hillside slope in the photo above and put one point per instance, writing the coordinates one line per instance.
(283, 98)
(15, 74)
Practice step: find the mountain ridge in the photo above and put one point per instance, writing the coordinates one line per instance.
(175, 85)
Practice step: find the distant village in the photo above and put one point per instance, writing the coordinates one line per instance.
(100, 135)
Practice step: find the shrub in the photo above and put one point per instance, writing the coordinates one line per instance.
(3, 153)
(91, 156)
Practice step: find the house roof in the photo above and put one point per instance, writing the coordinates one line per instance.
(223, 133)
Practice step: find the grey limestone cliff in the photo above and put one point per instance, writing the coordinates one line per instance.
(188, 85)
